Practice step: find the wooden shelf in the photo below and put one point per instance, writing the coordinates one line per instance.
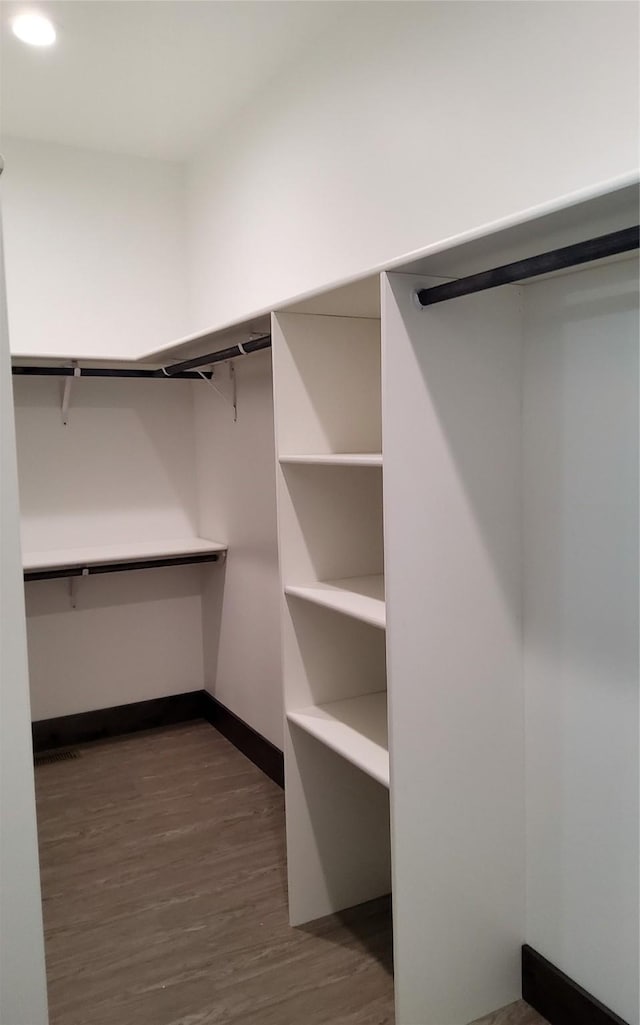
(335, 459)
(355, 728)
(359, 597)
(125, 555)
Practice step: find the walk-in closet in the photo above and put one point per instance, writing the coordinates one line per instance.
(320, 515)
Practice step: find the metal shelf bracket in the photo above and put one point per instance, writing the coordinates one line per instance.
(66, 395)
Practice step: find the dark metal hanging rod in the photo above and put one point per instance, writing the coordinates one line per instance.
(33, 371)
(558, 259)
(243, 349)
(181, 371)
(119, 567)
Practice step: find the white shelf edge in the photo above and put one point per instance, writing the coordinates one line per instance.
(355, 728)
(96, 555)
(334, 459)
(358, 597)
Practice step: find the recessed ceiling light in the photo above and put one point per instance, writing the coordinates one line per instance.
(34, 29)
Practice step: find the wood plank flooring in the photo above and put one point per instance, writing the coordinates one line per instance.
(164, 896)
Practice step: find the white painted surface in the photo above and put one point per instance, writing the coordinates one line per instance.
(359, 298)
(23, 988)
(337, 830)
(329, 656)
(306, 175)
(581, 628)
(340, 459)
(120, 474)
(132, 636)
(235, 465)
(122, 471)
(106, 84)
(453, 582)
(355, 728)
(360, 597)
(99, 555)
(329, 384)
(333, 519)
(608, 206)
(95, 251)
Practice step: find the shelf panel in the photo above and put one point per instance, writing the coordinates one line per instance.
(335, 459)
(359, 597)
(122, 553)
(355, 728)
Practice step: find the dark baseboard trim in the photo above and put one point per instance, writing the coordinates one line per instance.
(557, 997)
(67, 730)
(257, 748)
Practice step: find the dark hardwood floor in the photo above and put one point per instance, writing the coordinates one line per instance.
(164, 894)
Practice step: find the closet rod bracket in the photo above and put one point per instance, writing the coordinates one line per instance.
(66, 395)
(234, 390)
(72, 585)
(225, 398)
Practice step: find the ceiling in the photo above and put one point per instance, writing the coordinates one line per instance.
(151, 77)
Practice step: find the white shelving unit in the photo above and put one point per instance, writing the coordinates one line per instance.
(482, 402)
(328, 412)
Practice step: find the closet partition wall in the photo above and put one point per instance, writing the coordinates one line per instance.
(510, 437)
(453, 509)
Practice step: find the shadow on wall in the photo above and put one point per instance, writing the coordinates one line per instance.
(339, 517)
(352, 664)
(349, 813)
(469, 361)
(581, 473)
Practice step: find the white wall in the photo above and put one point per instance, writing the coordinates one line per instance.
(237, 502)
(23, 992)
(581, 628)
(417, 122)
(123, 469)
(94, 250)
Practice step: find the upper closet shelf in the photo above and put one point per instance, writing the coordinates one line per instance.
(608, 206)
(355, 728)
(359, 597)
(64, 562)
(335, 459)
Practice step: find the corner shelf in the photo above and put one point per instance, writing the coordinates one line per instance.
(359, 597)
(355, 728)
(67, 562)
(334, 459)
